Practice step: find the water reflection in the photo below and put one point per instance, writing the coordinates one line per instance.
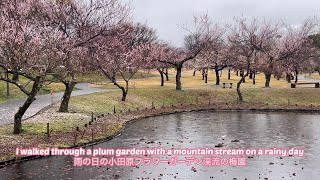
(199, 129)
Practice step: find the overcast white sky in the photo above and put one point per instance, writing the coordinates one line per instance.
(165, 15)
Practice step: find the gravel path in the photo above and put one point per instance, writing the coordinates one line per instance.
(8, 109)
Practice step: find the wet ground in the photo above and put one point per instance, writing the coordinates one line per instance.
(199, 130)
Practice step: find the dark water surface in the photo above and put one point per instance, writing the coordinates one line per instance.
(194, 130)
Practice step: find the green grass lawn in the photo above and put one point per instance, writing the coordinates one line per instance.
(143, 91)
(141, 98)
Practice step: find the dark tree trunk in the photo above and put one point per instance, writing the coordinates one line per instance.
(124, 94)
(64, 106)
(162, 76)
(216, 70)
(167, 74)
(296, 73)
(238, 89)
(18, 116)
(239, 85)
(229, 74)
(268, 78)
(178, 77)
(251, 75)
(278, 76)
(203, 74)
(15, 77)
(288, 77)
(237, 73)
(124, 90)
(254, 77)
(194, 73)
(206, 76)
(242, 74)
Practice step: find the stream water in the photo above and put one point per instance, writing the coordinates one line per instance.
(199, 130)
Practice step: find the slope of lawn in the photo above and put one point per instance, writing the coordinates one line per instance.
(141, 98)
(143, 92)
